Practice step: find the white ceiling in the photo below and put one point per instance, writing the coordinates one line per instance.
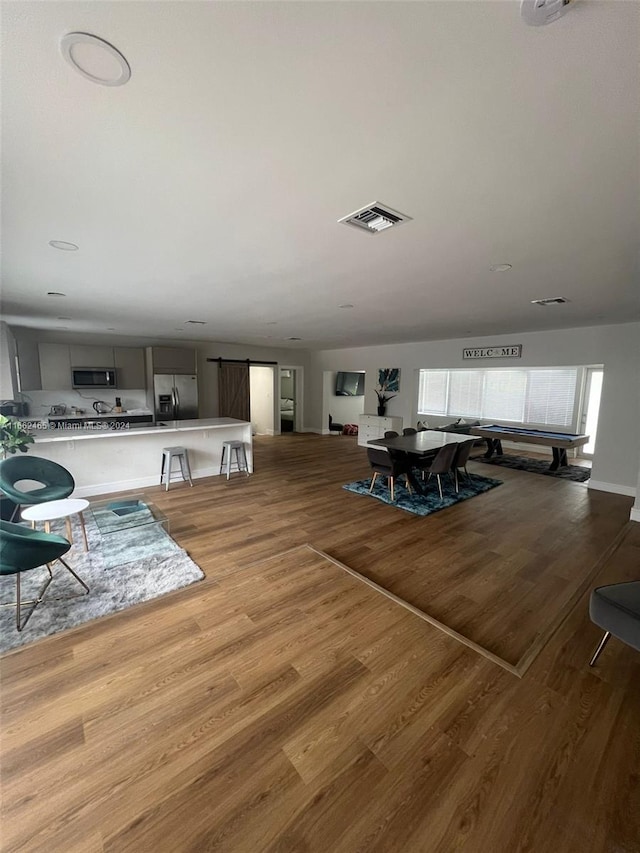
(209, 187)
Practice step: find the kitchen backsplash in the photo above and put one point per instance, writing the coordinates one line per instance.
(40, 402)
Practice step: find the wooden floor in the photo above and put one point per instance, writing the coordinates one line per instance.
(283, 705)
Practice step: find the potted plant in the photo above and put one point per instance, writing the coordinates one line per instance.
(13, 439)
(383, 399)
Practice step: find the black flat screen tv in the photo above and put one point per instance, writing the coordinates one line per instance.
(349, 384)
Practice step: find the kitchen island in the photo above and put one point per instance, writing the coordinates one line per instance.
(104, 460)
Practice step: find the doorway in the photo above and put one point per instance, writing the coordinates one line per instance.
(287, 399)
(591, 408)
(262, 387)
(290, 398)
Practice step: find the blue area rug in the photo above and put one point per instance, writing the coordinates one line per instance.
(424, 504)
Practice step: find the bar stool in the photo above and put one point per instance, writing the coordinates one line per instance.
(229, 447)
(168, 455)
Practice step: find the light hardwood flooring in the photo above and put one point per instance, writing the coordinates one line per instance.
(283, 705)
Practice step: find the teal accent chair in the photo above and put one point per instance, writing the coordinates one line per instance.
(23, 549)
(57, 482)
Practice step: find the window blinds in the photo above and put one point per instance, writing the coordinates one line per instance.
(524, 395)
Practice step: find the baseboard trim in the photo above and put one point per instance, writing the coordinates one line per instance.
(137, 483)
(635, 513)
(614, 488)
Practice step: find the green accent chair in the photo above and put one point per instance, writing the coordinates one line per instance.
(57, 482)
(23, 549)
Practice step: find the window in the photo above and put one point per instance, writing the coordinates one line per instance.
(526, 395)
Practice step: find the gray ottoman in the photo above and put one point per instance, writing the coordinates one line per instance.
(616, 609)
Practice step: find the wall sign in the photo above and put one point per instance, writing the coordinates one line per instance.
(514, 351)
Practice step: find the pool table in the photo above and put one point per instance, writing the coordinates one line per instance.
(559, 442)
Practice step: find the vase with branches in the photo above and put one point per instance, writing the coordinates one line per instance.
(383, 398)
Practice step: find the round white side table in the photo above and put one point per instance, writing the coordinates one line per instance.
(50, 510)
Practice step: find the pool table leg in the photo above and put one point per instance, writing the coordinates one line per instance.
(494, 445)
(559, 458)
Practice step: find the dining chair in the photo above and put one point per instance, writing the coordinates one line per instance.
(334, 426)
(440, 464)
(391, 433)
(390, 465)
(463, 451)
(409, 431)
(23, 549)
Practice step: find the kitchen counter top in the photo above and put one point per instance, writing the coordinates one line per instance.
(105, 458)
(88, 416)
(93, 416)
(73, 433)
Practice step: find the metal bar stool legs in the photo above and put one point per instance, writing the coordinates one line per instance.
(168, 455)
(227, 463)
(603, 642)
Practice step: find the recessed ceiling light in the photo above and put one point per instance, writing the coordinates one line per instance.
(63, 318)
(95, 59)
(552, 300)
(111, 328)
(500, 268)
(346, 305)
(55, 293)
(62, 244)
(196, 322)
(293, 339)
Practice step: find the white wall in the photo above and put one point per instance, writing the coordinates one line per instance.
(261, 384)
(40, 402)
(617, 454)
(287, 386)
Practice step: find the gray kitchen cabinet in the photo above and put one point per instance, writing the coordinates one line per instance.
(172, 359)
(28, 365)
(91, 356)
(55, 366)
(129, 364)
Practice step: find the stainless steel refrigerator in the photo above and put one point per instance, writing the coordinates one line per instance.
(175, 396)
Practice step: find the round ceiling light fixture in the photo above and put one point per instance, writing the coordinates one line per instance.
(55, 293)
(346, 305)
(500, 268)
(95, 59)
(63, 245)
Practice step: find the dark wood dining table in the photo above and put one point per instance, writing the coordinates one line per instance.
(422, 444)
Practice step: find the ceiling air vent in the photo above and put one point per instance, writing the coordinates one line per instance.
(553, 300)
(375, 217)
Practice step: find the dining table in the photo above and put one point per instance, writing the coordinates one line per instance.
(424, 443)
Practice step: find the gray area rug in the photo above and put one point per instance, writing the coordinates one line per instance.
(537, 466)
(136, 565)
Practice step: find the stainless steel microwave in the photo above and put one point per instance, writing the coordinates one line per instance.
(93, 377)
